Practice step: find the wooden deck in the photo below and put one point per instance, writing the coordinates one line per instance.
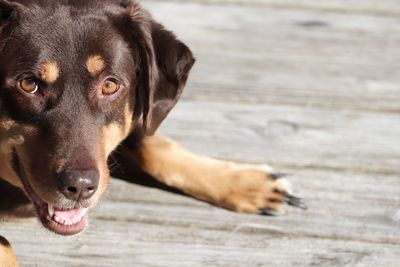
(309, 87)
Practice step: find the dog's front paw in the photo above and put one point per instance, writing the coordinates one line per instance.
(256, 189)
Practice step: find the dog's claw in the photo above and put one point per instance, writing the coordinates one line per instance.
(296, 202)
(277, 175)
(267, 211)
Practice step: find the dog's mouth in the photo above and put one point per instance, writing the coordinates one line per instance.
(58, 220)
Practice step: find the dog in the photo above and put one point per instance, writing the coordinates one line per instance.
(83, 79)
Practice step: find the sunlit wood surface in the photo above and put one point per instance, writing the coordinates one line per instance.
(309, 87)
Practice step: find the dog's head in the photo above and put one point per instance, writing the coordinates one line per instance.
(75, 78)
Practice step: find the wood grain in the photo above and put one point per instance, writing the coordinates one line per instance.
(310, 87)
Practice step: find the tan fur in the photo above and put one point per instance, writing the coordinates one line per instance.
(111, 136)
(136, 12)
(239, 187)
(7, 172)
(11, 135)
(6, 124)
(95, 64)
(114, 133)
(7, 256)
(49, 72)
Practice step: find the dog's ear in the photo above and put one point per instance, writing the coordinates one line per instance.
(9, 11)
(165, 63)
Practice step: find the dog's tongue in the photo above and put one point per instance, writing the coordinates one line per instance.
(70, 215)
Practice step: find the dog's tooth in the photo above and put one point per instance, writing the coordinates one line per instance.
(50, 209)
(85, 210)
(60, 221)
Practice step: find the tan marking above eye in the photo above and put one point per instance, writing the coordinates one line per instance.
(29, 85)
(49, 72)
(110, 87)
(95, 64)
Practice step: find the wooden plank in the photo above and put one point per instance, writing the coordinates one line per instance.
(295, 57)
(290, 136)
(383, 8)
(145, 226)
(310, 87)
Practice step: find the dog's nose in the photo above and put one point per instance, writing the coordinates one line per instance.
(78, 184)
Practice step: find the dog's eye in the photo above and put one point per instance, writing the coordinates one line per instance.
(110, 87)
(30, 86)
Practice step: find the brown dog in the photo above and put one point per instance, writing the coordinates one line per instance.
(80, 79)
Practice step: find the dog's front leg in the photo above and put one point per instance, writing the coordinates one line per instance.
(7, 256)
(238, 187)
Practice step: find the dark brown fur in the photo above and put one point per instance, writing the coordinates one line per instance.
(70, 48)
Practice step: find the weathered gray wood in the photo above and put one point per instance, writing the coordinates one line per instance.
(291, 136)
(310, 87)
(139, 225)
(271, 56)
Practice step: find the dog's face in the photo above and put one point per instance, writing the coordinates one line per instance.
(76, 78)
